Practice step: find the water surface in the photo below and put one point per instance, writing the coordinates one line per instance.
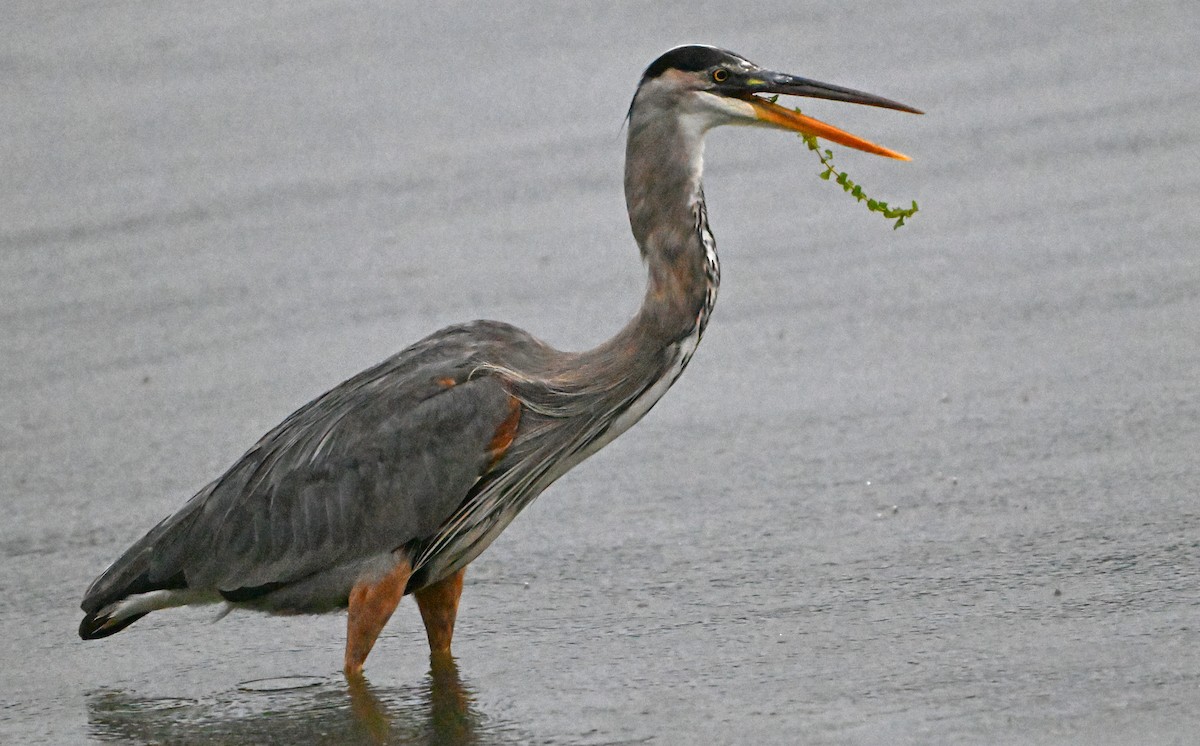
(927, 485)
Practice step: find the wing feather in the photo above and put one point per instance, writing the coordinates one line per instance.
(379, 461)
(382, 484)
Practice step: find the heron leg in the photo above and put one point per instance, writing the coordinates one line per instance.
(439, 608)
(371, 605)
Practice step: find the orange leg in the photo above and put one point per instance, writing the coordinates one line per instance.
(371, 605)
(439, 607)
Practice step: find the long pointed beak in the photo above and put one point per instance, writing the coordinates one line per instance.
(789, 85)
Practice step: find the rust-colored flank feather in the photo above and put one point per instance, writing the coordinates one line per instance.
(506, 433)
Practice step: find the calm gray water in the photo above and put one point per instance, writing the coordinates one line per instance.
(934, 485)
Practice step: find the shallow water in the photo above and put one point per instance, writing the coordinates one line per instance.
(927, 485)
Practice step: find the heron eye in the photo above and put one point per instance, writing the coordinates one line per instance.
(720, 75)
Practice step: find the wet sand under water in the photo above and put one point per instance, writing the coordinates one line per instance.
(920, 486)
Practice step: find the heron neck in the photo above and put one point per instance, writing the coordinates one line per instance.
(665, 198)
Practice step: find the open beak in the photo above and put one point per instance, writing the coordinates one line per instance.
(773, 115)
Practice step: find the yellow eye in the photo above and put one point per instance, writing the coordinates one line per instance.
(720, 75)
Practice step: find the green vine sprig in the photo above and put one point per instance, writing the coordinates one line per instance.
(899, 214)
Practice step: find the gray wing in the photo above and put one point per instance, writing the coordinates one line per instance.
(377, 462)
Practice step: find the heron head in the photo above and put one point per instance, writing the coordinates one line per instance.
(707, 87)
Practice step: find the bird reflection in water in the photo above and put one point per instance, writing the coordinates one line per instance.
(438, 710)
(450, 717)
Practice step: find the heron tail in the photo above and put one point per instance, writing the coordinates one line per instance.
(95, 626)
(148, 576)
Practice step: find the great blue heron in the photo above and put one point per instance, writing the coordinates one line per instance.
(395, 480)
